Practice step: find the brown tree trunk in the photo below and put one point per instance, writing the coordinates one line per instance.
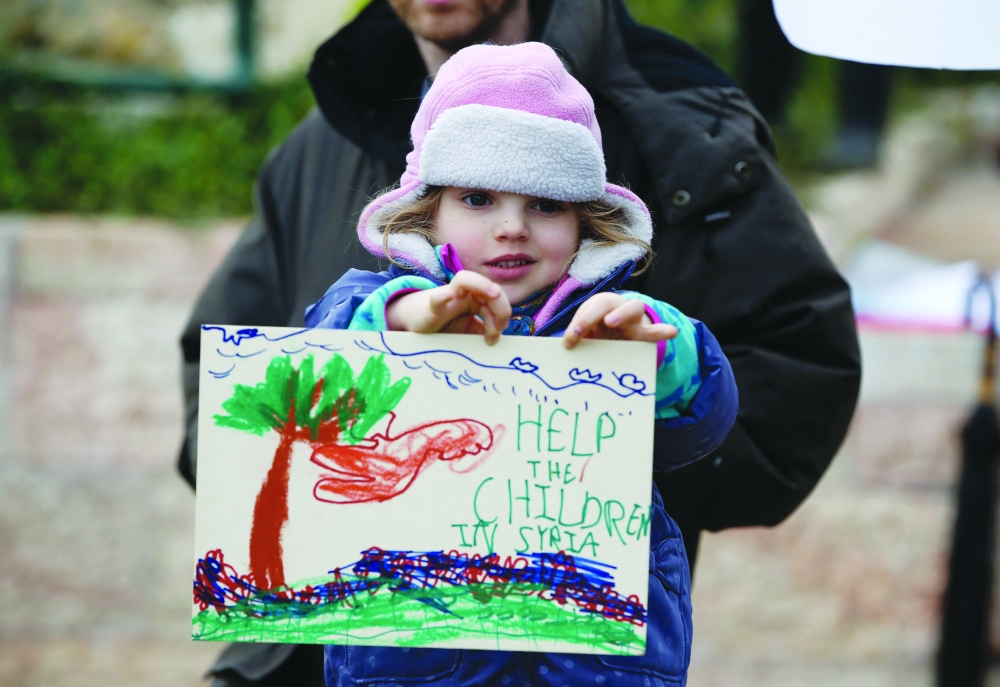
(270, 513)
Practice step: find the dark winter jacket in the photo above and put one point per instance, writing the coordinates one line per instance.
(735, 249)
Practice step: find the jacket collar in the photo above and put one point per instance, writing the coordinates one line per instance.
(367, 80)
(561, 318)
(574, 29)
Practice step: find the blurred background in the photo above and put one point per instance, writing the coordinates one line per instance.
(130, 135)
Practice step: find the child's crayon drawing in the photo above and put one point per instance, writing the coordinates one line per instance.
(384, 467)
(423, 490)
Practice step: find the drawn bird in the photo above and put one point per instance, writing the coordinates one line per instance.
(382, 467)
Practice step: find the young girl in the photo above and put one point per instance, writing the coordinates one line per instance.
(504, 223)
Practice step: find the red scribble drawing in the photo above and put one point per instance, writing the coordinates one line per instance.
(383, 466)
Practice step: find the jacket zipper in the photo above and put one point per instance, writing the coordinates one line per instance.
(620, 276)
(528, 668)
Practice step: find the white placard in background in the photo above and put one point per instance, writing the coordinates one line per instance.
(937, 34)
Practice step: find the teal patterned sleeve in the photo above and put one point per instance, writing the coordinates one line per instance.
(678, 377)
(370, 315)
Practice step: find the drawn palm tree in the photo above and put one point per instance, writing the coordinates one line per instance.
(329, 408)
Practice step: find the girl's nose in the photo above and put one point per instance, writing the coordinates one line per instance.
(511, 226)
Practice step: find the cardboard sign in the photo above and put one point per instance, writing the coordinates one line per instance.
(939, 34)
(423, 490)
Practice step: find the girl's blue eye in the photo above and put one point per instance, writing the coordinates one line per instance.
(477, 199)
(548, 206)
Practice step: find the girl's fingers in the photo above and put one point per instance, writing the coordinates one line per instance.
(491, 329)
(651, 332)
(489, 295)
(500, 310)
(486, 299)
(628, 314)
(476, 284)
(589, 316)
(610, 314)
(470, 294)
(473, 325)
(465, 324)
(631, 321)
(444, 301)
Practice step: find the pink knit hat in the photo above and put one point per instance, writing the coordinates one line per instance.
(508, 119)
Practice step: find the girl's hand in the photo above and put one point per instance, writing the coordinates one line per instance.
(470, 304)
(610, 316)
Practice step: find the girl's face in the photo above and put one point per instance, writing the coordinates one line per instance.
(522, 243)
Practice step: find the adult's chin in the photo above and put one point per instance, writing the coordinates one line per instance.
(453, 24)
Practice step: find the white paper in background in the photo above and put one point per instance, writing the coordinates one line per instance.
(938, 34)
(892, 287)
(500, 499)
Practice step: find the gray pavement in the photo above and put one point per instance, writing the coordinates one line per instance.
(95, 526)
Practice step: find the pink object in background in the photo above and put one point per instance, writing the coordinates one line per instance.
(896, 289)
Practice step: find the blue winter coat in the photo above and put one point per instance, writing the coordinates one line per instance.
(688, 438)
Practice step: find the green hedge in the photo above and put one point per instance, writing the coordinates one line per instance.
(66, 148)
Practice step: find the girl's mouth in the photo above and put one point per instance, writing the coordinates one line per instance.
(510, 267)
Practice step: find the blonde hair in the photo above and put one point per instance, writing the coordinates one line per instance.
(601, 223)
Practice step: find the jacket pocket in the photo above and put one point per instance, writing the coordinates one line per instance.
(668, 629)
(368, 664)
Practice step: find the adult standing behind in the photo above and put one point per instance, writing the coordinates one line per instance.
(734, 247)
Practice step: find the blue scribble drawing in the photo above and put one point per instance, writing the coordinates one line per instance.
(260, 338)
(222, 375)
(468, 380)
(440, 374)
(584, 375)
(628, 383)
(326, 347)
(455, 369)
(521, 365)
(247, 334)
(239, 355)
